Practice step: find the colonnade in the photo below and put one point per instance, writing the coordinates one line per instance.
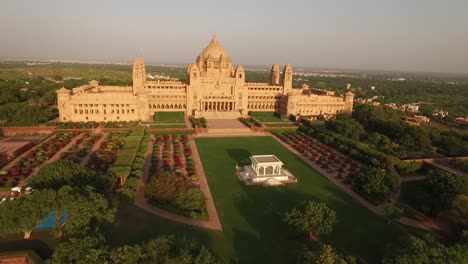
(217, 106)
(262, 169)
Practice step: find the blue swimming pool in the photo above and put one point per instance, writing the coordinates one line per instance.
(53, 219)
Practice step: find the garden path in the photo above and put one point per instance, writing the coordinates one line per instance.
(347, 189)
(52, 159)
(212, 223)
(413, 178)
(94, 148)
(449, 169)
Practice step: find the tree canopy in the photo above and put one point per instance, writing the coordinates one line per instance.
(415, 250)
(312, 218)
(375, 183)
(65, 172)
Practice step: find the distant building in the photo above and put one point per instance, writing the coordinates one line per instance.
(215, 89)
(416, 120)
(410, 108)
(392, 105)
(461, 120)
(440, 113)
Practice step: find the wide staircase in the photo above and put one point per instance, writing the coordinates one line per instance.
(228, 127)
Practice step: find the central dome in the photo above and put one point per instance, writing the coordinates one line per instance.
(214, 50)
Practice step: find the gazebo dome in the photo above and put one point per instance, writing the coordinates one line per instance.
(214, 50)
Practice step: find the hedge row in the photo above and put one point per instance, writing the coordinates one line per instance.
(130, 185)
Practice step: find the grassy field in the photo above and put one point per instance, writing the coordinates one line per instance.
(169, 117)
(253, 230)
(282, 124)
(168, 125)
(268, 117)
(252, 216)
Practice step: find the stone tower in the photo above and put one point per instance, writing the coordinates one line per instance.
(287, 79)
(63, 104)
(349, 99)
(275, 75)
(139, 76)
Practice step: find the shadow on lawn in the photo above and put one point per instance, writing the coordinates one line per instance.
(134, 225)
(241, 156)
(272, 241)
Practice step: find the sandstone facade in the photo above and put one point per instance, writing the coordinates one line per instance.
(215, 89)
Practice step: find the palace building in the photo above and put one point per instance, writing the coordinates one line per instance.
(215, 89)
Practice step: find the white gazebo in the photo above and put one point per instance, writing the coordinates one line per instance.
(265, 170)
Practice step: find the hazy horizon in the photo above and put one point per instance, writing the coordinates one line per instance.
(414, 36)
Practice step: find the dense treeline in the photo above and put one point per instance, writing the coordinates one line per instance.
(27, 102)
(443, 94)
(90, 204)
(382, 128)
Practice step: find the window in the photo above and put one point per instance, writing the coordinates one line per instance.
(117, 118)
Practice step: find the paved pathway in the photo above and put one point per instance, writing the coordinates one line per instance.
(140, 200)
(449, 169)
(413, 178)
(55, 157)
(347, 189)
(94, 148)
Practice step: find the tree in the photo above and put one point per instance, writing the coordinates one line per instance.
(65, 172)
(326, 255)
(126, 255)
(415, 250)
(460, 206)
(165, 187)
(88, 210)
(82, 250)
(392, 213)
(374, 183)
(347, 127)
(24, 213)
(192, 200)
(312, 218)
(441, 188)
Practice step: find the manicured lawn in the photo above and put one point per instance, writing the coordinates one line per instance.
(282, 124)
(251, 216)
(267, 117)
(169, 117)
(167, 125)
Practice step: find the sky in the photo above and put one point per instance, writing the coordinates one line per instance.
(397, 35)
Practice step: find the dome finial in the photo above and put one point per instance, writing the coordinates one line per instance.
(214, 39)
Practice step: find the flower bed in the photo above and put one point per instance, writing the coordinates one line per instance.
(35, 158)
(81, 148)
(324, 156)
(105, 156)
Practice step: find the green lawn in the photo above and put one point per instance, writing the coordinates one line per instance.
(268, 117)
(251, 216)
(168, 125)
(169, 117)
(282, 124)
